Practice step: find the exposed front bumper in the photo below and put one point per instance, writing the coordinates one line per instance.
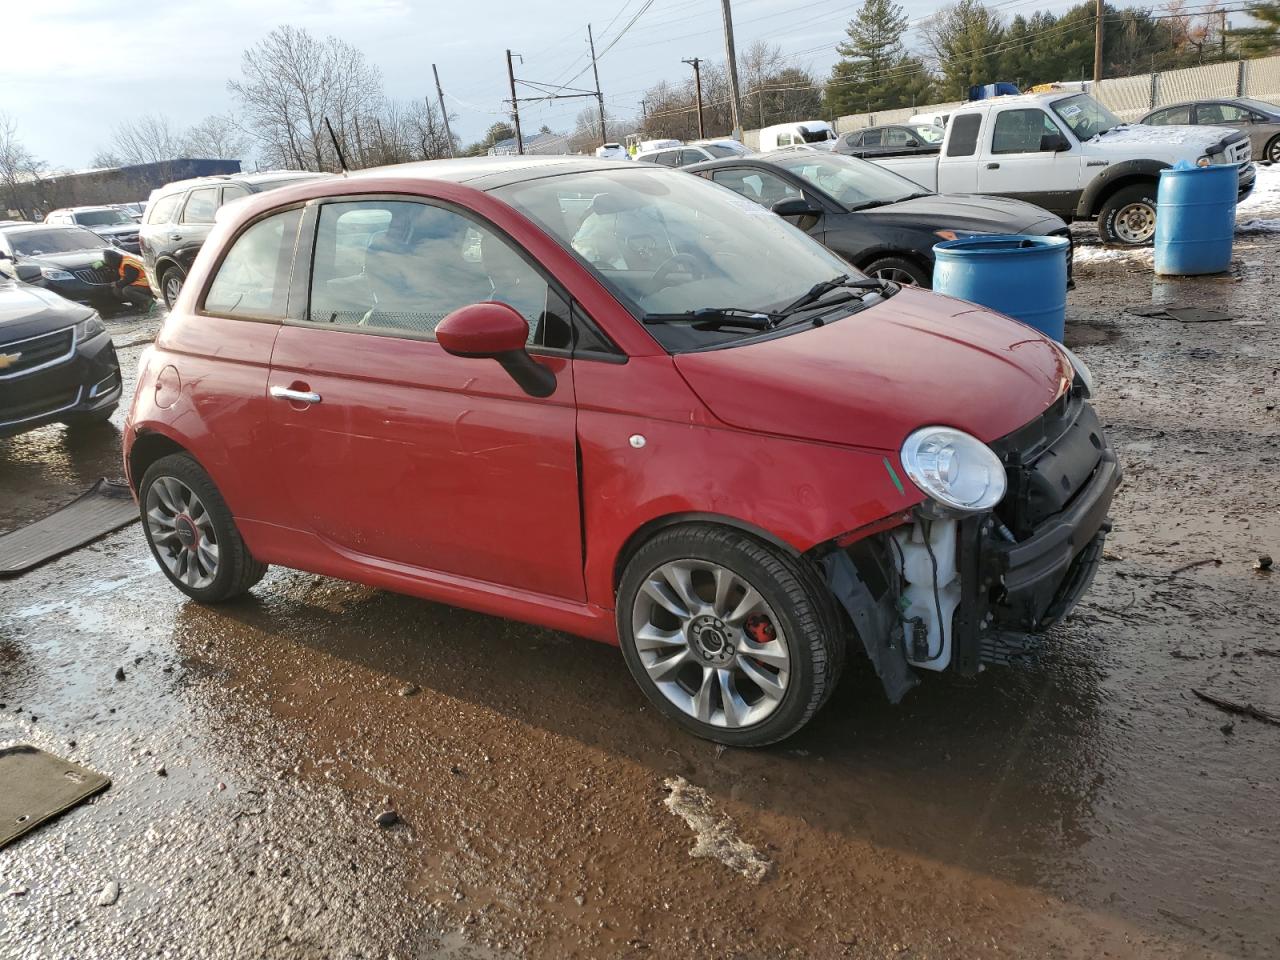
(1248, 178)
(86, 383)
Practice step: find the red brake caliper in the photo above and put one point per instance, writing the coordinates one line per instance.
(760, 630)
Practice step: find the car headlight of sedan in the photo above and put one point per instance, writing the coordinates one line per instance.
(53, 273)
(89, 328)
(1083, 374)
(955, 469)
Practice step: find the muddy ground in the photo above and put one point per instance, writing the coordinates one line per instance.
(1089, 806)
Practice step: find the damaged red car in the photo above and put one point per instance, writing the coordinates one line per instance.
(623, 402)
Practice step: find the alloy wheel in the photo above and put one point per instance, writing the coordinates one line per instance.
(182, 531)
(1135, 222)
(1273, 151)
(896, 275)
(172, 287)
(710, 643)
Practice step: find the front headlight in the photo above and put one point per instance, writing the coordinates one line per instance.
(1083, 373)
(53, 273)
(955, 469)
(1204, 161)
(89, 328)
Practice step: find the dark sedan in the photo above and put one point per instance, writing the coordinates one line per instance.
(57, 363)
(896, 140)
(1257, 118)
(66, 260)
(881, 223)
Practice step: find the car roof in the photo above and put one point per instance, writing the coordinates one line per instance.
(487, 173)
(1207, 100)
(261, 176)
(23, 226)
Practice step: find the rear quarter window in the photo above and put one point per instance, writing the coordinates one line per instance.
(963, 141)
(162, 209)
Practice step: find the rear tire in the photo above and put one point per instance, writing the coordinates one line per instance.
(1128, 218)
(171, 282)
(191, 532)
(899, 270)
(736, 641)
(1272, 151)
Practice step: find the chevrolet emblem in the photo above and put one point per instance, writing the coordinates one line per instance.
(9, 359)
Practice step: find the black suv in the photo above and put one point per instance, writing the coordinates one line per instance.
(179, 217)
(57, 362)
(110, 223)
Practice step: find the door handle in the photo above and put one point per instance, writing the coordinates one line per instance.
(301, 396)
(993, 166)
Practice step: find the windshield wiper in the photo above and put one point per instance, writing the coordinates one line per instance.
(711, 317)
(818, 290)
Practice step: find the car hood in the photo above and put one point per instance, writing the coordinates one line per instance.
(872, 378)
(28, 311)
(1181, 138)
(968, 213)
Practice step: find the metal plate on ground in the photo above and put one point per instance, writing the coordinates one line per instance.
(36, 786)
(107, 505)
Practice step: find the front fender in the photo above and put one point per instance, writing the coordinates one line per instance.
(1101, 185)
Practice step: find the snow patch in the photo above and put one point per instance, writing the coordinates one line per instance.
(1092, 254)
(715, 834)
(1259, 226)
(1266, 192)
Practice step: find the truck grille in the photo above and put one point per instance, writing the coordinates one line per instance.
(94, 275)
(35, 352)
(1239, 152)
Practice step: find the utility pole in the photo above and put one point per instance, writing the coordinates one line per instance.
(604, 136)
(515, 104)
(731, 57)
(696, 63)
(443, 112)
(1097, 48)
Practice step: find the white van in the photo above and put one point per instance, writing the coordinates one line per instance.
(813, 133)
(933, 119)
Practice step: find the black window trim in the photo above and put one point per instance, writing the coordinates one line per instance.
(227, 247)
(305, 250)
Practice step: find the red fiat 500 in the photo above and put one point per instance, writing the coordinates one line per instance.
(624, 402)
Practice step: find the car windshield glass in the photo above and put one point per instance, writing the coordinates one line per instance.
(848, 180)
(666, 243)
(102, 218)
(719, 150)
(929, 133)
(1085, 116)
(33, 243)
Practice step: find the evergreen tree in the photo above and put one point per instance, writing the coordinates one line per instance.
(874, 71)
(1261, 40)
(965, 40)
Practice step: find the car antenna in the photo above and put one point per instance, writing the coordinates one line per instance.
(342, 161)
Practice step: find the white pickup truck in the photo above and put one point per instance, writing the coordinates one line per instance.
(1067, 153)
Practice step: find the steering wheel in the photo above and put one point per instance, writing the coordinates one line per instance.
(687, 261)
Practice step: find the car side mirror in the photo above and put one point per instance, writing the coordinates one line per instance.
(495, 331)
(1054, 143)
(795, 207)
(27, 272)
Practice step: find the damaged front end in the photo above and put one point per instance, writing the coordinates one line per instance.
(949, 590)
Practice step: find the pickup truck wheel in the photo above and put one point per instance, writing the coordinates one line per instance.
(171, 285)
(732, 639)
(899, 270)
(191, 532)
(1129, 216)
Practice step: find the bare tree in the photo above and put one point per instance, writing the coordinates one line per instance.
(216, 137)
(19, 172)
(148, 138)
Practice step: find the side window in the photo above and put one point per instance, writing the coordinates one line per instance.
(854, 140)
(963, 139)
(1172, 115)
(162, 210)
(200, 206)
(897, 137)
(1021, 131)
(400, 267)
(1220, 113)
(253, 278)
(761, 186)
(668, 158)
(233, 191)
(692, 156)
(872, 138)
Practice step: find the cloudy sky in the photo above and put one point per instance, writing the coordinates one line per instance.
(73, 68)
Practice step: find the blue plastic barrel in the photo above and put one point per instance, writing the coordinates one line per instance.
(1023, 277)
(1195, 219)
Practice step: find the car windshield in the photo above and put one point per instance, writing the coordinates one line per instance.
(1085, 116)
(929, 133)
(719, 150)
(667, 242)
(850, 181)
(102, 218)
(35, 243)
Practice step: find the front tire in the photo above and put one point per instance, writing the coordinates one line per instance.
(734, 640)
(1128, 218)
(192, 534)
(899, 270)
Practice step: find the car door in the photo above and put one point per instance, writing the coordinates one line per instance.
(194, 222)
(1021, 163)
(395, 454)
